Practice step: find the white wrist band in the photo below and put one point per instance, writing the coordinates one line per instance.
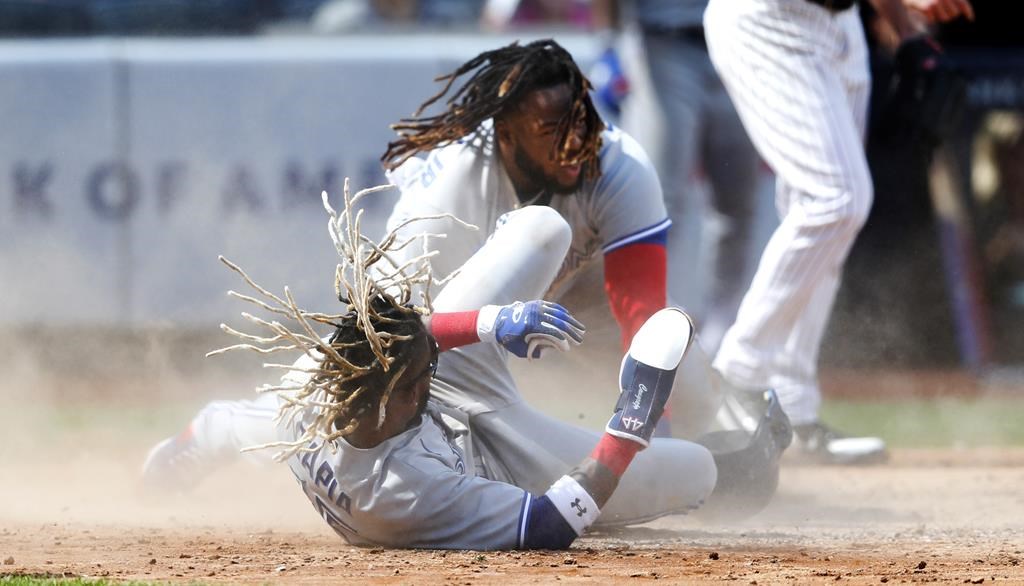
(574, 503)
(485, 323)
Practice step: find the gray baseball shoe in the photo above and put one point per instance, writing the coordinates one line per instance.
(174, 465)
(818, 443)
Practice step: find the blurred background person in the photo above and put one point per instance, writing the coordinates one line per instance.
(693, 134)
(798, 73)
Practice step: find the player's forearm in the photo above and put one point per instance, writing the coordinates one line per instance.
(895, 12)
(454, 329)
(575, 500)
(635, 281)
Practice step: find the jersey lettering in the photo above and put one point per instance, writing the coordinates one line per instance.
(333, 520)
(430, 170)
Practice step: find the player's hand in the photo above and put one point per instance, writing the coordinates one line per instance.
(528, 329)
(939, 11)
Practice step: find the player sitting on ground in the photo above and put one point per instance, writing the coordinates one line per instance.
(521, 153)
(386, 462)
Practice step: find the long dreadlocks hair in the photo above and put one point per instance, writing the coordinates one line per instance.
(357, 368)
(499, 80)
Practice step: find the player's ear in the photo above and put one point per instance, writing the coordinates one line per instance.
(503, 130)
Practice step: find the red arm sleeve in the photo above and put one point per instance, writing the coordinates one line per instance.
(634, 280)
(452, 330)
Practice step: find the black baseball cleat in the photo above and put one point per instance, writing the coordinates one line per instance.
(818, 443)
(747, 461)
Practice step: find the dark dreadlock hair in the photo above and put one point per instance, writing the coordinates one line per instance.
(366, 383)
(500, 78)
(326, 394)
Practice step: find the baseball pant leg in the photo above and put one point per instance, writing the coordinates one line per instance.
(517, 263)
(530, 449)
(791, 68)
(222, 428)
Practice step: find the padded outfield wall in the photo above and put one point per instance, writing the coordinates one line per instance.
(128, 165)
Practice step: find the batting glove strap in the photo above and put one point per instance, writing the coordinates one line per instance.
(645, 390)
(574, 503)
(485, 321)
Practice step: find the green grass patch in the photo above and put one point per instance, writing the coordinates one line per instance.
(55, 581)
(932, 422)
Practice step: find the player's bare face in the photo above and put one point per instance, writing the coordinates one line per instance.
(539, 152)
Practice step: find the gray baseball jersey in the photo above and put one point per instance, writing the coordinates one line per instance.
(416, 489)
(467, 179)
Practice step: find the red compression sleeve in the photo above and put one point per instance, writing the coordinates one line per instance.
(455, 329)
(615, 453)
(634, 279)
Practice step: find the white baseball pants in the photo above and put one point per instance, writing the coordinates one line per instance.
(798, 76)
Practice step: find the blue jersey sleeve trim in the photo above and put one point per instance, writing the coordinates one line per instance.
(524, 518)
(655, 234)
(545, 527)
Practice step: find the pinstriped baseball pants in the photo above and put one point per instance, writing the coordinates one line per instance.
(798, 76)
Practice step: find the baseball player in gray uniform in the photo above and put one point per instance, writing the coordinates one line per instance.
(543, 143)
(522, 135)
(457, 459)
(797, 72)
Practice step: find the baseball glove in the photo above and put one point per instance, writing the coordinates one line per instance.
(924, 100)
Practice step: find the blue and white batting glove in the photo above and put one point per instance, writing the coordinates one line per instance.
(528, 329)
(647, 373)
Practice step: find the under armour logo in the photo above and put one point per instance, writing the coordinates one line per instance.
(632, 423)
(517, 311)
(580, 509)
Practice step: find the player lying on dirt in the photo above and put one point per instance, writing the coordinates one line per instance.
(521, 151)
(399, 443)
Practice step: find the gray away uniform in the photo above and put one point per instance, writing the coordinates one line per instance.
(471, 474)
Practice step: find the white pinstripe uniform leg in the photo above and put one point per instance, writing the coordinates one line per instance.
(798, 76)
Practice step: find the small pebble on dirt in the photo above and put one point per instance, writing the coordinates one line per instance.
(713, 555)
(922, 565)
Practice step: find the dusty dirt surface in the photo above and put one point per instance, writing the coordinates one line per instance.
(70, 503)
(926, 516)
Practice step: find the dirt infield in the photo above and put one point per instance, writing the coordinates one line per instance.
(927, 516)
(70, 504)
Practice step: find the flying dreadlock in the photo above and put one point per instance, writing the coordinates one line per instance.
(501, 78)
(357, 368)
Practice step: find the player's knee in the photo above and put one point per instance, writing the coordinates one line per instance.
(540, 227)
(707, 473)
(845, 215)
(862, 195)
